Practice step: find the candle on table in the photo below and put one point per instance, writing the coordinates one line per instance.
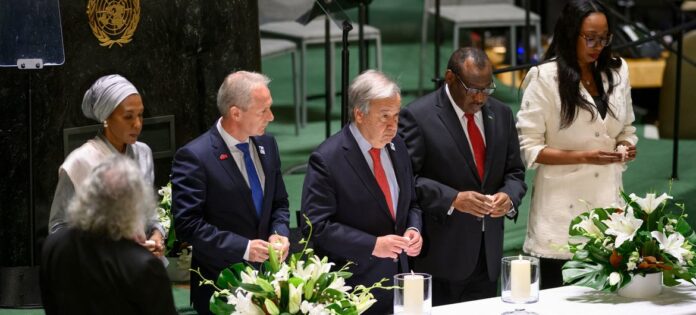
(520, 278)
(413, 294)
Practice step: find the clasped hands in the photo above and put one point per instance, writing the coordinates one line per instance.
(155, 244)
(390, 246)
(625, 152)
(258, 249)
(480, 205)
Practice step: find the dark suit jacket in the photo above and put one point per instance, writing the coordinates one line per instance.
(83, 273)
(443, 164)
(213, 209)
(348, 210)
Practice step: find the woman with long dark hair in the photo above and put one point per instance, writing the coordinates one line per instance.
(575, 129)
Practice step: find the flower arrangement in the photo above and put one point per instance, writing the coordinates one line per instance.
(611, 245)
(166, 218)
(303, 285)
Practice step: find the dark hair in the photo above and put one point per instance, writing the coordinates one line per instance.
(460, 55)
(564, 49)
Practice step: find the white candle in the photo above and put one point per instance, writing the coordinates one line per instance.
(520, 278)
(413, 294)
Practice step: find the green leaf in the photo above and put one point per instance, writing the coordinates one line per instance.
(271, 308)
(309, 290)
(332, 295)
(295, 281)
(273, 259)
(344, 274)
(220, 307)
(668, 278)
(253, 288)
(586, 274)
(284, 295)
(227, 279)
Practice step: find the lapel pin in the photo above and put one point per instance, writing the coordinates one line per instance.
(224, 156)
(262, 151)
(391, 145)
(490, 117)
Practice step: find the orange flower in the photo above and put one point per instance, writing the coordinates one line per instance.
(615, 259)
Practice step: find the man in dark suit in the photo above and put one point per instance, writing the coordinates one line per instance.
(228, 196)
(469, 176)
(359, 192)
(97, 265)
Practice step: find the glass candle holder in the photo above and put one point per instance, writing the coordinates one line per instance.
(519, 283)
(413, 293)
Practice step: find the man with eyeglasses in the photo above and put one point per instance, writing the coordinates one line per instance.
(469, 178)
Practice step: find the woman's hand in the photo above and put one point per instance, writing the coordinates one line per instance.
(599, 157)
(630, 150)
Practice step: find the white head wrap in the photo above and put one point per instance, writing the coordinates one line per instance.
(105, 95)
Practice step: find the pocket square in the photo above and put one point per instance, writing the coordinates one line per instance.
(224, 156)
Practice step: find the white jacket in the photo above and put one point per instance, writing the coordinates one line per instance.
(559, 190)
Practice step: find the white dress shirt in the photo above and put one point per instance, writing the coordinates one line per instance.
(238, 157)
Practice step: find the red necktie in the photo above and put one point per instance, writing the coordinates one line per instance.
(382, 179)
(476, 143)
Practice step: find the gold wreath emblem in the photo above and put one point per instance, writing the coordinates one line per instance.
(113, 21)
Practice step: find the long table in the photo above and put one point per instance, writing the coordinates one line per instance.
(678, 300)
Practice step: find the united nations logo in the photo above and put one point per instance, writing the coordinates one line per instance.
(113, 21)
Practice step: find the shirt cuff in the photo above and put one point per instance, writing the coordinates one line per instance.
(413, 228)
(512, 213)
(246, 252)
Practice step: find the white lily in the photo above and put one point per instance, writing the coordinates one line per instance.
(588, 226)
(339, 284)
(614, 278)
(649, 203)
(245, 306)
(302, 272)
(295, 297)
(623, 227)
(672, 244)
(249, 276)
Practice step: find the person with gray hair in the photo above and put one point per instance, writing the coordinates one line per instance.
(359, 192)
(228, 196)
(95, 264)
(115, 103)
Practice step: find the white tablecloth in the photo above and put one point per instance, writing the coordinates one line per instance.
(585, 301)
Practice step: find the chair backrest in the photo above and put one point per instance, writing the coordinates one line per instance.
(470, 2)
(687, 125)
(282, 10)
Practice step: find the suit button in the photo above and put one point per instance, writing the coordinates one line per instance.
(596, 134)
(596, 175)
(571, 206)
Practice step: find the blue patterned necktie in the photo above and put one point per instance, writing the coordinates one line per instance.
(254, 182)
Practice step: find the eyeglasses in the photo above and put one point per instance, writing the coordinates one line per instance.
(473, 91)
(591, 41)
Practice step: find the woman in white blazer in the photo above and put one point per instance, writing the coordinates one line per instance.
(576, 111)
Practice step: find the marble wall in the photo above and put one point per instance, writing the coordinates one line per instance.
(178, 56)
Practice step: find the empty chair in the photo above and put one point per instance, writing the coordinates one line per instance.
(277, 47)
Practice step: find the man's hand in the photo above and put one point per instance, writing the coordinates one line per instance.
(501, 204)
(154, 244)
(390, 246)
(415, 242)
(258, 251)
(472, 203)
(281, 244)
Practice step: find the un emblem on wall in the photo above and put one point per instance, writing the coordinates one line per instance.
(113, 21)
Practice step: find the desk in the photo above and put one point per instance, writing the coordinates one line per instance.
(570, 300)
(646, 72)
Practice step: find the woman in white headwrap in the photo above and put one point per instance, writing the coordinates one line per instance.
(113, 101)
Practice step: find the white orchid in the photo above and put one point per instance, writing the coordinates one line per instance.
(623, 227)
(614, 278)
(672, 244)
(650, 202)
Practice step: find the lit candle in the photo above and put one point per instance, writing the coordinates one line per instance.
(413, 294)
(520, 278)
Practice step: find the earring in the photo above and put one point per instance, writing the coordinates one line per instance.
(106, 124)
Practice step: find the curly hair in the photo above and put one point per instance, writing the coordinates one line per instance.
(114, 200)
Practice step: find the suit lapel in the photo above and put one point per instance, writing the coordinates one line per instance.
(357, 161)
(490, 131)
(223, 155)
(265, 164)
(453, 124)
